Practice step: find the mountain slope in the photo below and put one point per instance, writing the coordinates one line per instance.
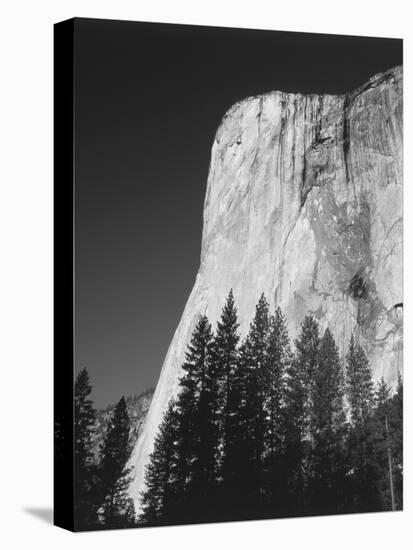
(137, 407)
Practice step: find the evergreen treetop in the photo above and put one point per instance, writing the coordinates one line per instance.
(360, 387)
(114, 476)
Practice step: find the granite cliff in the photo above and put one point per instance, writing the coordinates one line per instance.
(303, 203)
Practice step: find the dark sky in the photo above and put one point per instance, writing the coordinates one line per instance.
(149, 98)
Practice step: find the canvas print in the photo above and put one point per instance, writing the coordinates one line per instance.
(237, 208)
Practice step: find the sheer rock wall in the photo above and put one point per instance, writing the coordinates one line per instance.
(303, 203)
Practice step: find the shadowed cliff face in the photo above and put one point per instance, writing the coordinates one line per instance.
(303, 203)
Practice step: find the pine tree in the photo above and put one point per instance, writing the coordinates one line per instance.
(381, 397)
(204, 482)
(278, 358)
(388, 444)
(114, 453)
(300, 375)
(328, 430)
(252, 361)
(396, 439)
(181, 475)
(360, 392)
(224, 359)
(196, 459)
(381, 444)
(160, 475)
(359, 384)
(85, 417)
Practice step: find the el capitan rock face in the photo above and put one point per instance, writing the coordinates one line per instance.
(303, 203)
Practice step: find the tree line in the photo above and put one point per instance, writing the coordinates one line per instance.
(263, 429)
(100, 488)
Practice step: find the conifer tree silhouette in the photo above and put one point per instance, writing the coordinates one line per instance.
(252, 359)
(85, 417)
(195, 453)
(300, 376)
(224, 358)
(160, 475)
(278, 359)
(328, 430)
(360, 392)
(115, 477)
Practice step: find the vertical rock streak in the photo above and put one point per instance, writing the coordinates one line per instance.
(303, 203)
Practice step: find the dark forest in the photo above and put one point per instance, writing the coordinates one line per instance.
(259, 429)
